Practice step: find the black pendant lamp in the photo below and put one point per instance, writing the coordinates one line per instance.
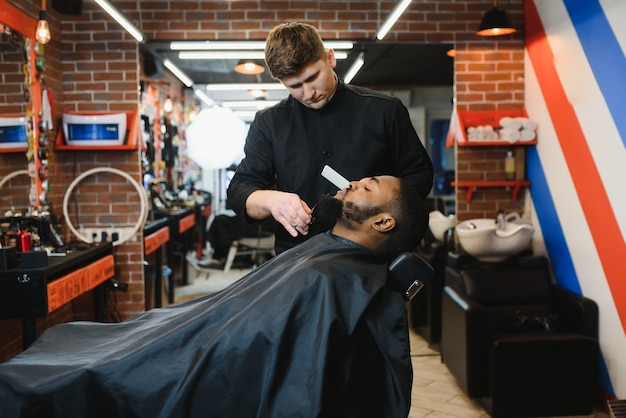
(495, 23)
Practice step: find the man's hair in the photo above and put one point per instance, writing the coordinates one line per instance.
(291, 46)
(409, 209)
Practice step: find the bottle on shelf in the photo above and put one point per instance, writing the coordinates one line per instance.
(509, 166)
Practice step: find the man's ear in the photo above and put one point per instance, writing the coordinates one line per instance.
(331, 58)
(384, 222)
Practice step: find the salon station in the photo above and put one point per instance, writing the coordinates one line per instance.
(122, 123)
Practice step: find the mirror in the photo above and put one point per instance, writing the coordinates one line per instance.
(23, 151)
(15, 87)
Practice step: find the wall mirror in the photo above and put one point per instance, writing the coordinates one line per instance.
(23, 161)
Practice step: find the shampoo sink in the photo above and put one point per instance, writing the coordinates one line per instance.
(439, 224)
(487, 241)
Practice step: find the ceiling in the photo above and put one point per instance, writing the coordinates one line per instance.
(387, 66)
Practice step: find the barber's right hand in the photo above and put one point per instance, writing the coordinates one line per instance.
(291, 212)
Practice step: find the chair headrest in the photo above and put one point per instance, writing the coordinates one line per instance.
(408, 273)
(507, 287)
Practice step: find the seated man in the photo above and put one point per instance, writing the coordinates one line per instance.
(314, 332)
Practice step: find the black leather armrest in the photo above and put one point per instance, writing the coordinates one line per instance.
(576, 313)
(408, 273)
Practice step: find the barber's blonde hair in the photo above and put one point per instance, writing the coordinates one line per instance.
(291, 46)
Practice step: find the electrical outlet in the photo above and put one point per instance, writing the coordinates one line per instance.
(94, 234)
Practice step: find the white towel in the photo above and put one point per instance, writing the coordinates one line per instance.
(526, 135)
(509, 135)
(510, 123)
(472, 134)
(529, 124)
(505, 121)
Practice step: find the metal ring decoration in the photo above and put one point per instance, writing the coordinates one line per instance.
(8, 177)
(140, 191)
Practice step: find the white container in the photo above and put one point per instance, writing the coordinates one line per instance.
(94, 130)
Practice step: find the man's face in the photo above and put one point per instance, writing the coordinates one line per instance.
(315, 84)
(360, 201)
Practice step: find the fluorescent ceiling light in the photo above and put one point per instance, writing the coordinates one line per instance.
(356, 66)
(203, 96)
(240, 45)
(245, 115)
(246, 104)
(178, 73)
(244, 87)
(235, 55)
(119, 18)
(393, 17)
(220, 55)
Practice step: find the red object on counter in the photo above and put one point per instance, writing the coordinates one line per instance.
(24, 242)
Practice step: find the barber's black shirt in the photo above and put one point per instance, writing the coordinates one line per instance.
(359, 133)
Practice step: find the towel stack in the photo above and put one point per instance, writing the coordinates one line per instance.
(482, 133)
(517, 129)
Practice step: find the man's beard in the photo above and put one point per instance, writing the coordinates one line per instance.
(327, 211)
(330, 210)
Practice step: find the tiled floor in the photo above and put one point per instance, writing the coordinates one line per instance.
(435, 392)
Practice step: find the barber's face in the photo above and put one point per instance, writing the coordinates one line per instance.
(315, 84)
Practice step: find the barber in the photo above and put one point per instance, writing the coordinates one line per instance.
(357, 131)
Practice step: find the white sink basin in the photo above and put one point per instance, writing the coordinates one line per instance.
(440, 223)
(483, 239)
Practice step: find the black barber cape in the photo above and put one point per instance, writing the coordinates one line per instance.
(313, 332)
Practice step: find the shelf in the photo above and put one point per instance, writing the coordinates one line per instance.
(132, 121)
(14, 150)
(461, 120)
(471, 186)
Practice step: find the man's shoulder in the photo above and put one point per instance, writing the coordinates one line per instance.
(283, 105)
(367, 93)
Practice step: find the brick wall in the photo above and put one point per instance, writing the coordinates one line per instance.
(93, 65)
(488, 76)
(100, 73)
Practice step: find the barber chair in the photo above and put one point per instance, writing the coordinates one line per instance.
(260, 248)
(408, 274)
(519, 344)
(425, 308)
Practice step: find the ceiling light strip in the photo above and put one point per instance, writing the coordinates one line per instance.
(245, 104)
(203, 96)
(235, 55)
(354, 68)
(244, 86)
(393, 17)
(220, 55)
(240, 45)
(119, 18)
(178, 72)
